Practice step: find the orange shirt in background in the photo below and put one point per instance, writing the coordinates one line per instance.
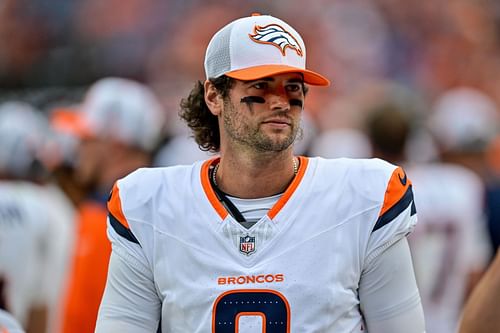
(89, 269)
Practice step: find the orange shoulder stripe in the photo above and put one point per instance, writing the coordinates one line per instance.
(396, 189)
(115, 206)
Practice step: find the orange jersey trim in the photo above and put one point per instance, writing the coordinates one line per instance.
(221, 210)
(396, 189)
(209, 191)
(291, 189)
(115, 206)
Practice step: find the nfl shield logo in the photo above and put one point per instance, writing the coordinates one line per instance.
(247, 245)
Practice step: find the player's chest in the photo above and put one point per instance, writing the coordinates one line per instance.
(300, 263)
(308, 286)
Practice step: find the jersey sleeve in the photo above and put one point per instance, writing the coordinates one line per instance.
(397, 216)
(130, 302)
(117, 220)
(389, 297)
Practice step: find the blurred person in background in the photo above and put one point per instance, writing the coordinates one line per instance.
(449, 244)
(119, 123)
(464, 121)
(62, 161)
(35, 222)
(481, 313)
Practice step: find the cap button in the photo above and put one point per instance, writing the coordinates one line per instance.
(256, 14)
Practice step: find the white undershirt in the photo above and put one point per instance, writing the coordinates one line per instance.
(254, 209)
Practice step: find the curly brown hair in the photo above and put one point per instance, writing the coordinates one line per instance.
(198, 117)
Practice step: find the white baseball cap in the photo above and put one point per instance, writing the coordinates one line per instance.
(464, 119)
(122, 110)
(23, 134)
(258, 46)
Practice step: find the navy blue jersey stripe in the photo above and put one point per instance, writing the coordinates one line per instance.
(397, 209)
(121, 229)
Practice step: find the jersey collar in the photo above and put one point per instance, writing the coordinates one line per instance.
(221, 210)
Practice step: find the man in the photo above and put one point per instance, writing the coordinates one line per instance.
(259, 239)
(465, 121)
(35, 222)
(448, 244)
(120, 123)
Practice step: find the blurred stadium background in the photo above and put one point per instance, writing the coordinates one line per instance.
(52, 50)
(437, 62)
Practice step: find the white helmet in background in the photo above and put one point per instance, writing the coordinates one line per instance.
(23, 134)
(464, 119)
(123, 110)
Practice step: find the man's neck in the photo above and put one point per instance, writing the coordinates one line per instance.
(255, 177)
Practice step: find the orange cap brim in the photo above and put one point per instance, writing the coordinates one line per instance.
(259, 72)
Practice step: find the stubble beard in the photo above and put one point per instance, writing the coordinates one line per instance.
(252, 136)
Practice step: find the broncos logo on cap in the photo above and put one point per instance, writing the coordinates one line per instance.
(275, 35)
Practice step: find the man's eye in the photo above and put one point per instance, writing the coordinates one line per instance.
(294, 87)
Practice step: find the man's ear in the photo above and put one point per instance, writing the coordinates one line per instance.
(213, 98)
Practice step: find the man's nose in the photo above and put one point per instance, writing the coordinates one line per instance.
(279, 99)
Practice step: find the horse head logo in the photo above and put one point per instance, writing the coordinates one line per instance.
(275, 35)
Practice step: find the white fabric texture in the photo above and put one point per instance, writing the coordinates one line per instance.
(310, 257)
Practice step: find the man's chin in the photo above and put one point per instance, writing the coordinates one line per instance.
(275, 145)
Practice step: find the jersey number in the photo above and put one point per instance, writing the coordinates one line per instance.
(270, 305)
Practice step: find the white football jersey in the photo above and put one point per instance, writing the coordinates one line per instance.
(35, 228)
(8, 324)
(449, 241)
(296, 270)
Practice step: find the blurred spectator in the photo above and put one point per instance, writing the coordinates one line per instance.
(35, 222)
(22, 136)
(464, 122)
(62, 160)
(120, 123)
(448, 244)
